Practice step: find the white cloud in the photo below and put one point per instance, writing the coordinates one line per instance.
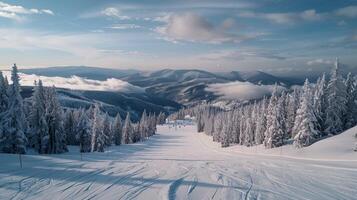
(109, 12)
(242, 54)
(78, 83)
(195, 28)
(124, 26)
(285, 18)
(241, 90)
(113, 12)
(319, 61)
(17, 12)
(48, 11)
(349, 11)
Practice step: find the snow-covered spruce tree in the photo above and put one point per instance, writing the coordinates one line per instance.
(152, 124)
(242, 125)
(117, 129)
(249, 132)
(136, 132)
(161, 118)
(292, 106)
(275, 132)
(4, 102)
(127, 130)
(4, 99)
(351, 114)
(37, 119)
(283, 113)
(336, 102)
(13, 121)
(305, 123)
(107, 132)
(97, 136)
(226, 130)
(83, 129)
(218, 127)
(319, 103)
(260, 125)
(56, 142)
(69, 127)
(200, 122)
(144, 124)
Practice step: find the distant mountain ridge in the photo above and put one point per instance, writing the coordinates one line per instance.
(184, 86)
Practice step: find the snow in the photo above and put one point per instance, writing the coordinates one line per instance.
(179, 163)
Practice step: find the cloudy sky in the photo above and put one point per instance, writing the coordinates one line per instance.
(212, 35)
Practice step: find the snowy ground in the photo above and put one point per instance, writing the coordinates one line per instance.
(182, 164)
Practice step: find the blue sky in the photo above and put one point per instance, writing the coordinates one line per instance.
(275, 35)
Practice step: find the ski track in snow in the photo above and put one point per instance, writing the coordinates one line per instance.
(174, 164)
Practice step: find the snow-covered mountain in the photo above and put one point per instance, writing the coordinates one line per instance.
(182, 86)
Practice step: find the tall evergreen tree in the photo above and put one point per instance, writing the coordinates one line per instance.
(144, 126)
(319, 103)
(97, 140)
(54, 117)
(305, 123)
(4, 99)
(69, 127)
(13, 119)
(83, 129)
(127, 130)
(336, 102)
(117, 130)
(261, 123)
(37, 119)
(107, 133)
(292, 106)
(274, 131)
(351, 104)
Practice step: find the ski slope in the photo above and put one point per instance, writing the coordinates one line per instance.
(179, 163)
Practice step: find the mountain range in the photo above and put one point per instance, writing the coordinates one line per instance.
(182, 86)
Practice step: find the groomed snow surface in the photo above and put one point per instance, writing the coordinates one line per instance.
(179, 163)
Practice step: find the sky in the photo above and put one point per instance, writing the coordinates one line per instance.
(268, 35)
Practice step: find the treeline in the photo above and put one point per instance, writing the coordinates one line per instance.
(41, 123)
(304, 115)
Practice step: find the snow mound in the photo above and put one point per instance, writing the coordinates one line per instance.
(336, 148)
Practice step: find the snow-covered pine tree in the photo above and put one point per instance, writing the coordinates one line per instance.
(271, 116)
(218, 127)
(319, 103)
(351, 114)
(56, 142)
(336, 102)
(249, 132)
(117, 130)
(292, 106)
(37, 119)
(260, 123)
(226, 130)
(283, 114)
(136, 132)
(127, 130)
(152, 124)
(305, 123)
(144, 126)
(4, 99)
(107, 132)
(97, 139)
(69, 127)
(161, 118)
(83, 130)
(200, 122)
(13, 119)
